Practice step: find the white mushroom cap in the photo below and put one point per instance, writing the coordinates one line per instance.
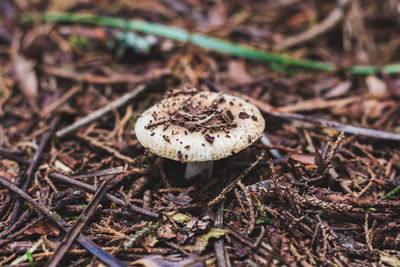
(192, 126)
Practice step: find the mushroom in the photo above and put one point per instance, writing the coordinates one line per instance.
(199, 127)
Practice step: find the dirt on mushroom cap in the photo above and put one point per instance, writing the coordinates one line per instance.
(192, 125)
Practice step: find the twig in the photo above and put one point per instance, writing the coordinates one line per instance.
(21, 231)
(244, 239)
(90, 188)
(101, 112)
(13, 156)
(334, 17)
(74, 232)
(24, 257)
(82, 239)
(260, 237)
(104, 172)
(58, 102)
(220, 249)
(319, 121)
(178, 248)
(232, 185)
(43, 143)
(110, 150)
(33, 166)
(4, 205)
(91, 78)
(341, 127)
(320, 103)
(21, 220)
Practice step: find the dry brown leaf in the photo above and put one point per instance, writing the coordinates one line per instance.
(373, 108)
(182, 199)
(376, 86)
(69, 161)
(391, 260)
(320, 103)
(42, 228)
(165, 231)
(339, 90)
(202, 241)
(237, 71)
(303, 158)
(9, 169)
(27, 79)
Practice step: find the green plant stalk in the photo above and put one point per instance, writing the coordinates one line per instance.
(391, 193)
(203, 41)
(30, 258)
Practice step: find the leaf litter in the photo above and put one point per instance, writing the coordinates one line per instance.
(322, 191)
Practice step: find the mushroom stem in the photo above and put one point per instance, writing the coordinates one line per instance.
(202, 167)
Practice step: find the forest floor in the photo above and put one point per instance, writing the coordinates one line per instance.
(78, 189)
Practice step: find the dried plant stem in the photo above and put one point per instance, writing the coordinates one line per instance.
(58, 102)
(346, 128)
(90, 188)
(232, 185)
(74, 232)
(101, 112)
(219, 247)
(83, 240)
(33, 166)
(112, 151)
(327, 24)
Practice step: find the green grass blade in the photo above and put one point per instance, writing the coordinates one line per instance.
(369, 70)
(391, 193)
(182, 35)
(204, 41)
(30, 258)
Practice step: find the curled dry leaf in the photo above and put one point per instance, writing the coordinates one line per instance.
(62, 167)
(43, 228)
(150, 241)
(159, 261)
(182, 199)
(376, 86)
(69, 161)
(165, 231)
(339, 90)
(202, 241)
(373, 109)
(237, 71)
(178, 217)
(303, 158)
(27, 80)
(9, 169)
(390, 260)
